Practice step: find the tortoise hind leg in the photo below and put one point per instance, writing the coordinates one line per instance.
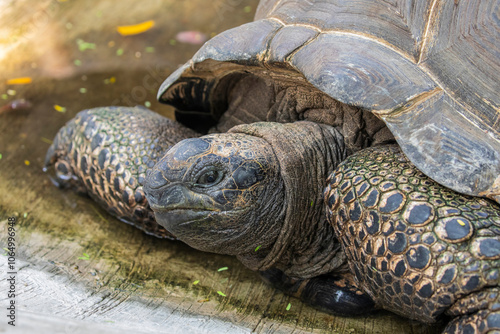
(476, 313)
(334, 294)
(105, 152)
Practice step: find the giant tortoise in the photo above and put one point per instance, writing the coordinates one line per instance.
(295, 176)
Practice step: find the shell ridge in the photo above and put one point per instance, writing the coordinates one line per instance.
(264, 56)
(276, 5)
(369, 37)
(476, 120)
(288, 59)
(427, 36)
(340, 66)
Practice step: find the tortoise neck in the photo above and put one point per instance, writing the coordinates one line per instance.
(307, 152)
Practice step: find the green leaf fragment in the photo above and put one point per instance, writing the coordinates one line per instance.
(84, 257)
(222, 269)
(77, 62)
(25, 215)
(289, 306)
(196, 282)
(1, 156)
(173, 42)
(147, 104)
(82, 45)
(221, 293)
(312, 203)
(5, 96)
(150, 49)
(247, 9)
(83, 90)
(258, 247)
(119, 52)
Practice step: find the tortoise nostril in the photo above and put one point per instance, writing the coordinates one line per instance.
(156, 180)
(170, 196)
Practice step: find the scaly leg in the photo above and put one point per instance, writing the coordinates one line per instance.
(477, 313)
(105, 153)
(418, 248)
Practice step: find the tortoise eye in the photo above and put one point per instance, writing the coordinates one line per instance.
(209, 178)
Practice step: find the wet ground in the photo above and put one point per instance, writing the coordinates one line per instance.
(79, 268)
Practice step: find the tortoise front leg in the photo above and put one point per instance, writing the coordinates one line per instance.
(336, 293)
(420, 249)
(105, 153)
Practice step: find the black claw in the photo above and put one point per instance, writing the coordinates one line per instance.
(331, 294)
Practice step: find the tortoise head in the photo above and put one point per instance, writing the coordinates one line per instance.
(220, 193)
(258, 186)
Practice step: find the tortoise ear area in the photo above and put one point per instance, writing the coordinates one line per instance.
(248, 174)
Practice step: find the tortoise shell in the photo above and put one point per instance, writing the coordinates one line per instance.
(429, 69)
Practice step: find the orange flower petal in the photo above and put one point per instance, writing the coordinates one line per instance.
(136, 28)
(19, 81)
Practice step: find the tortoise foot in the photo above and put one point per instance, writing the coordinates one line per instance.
(476, 313)
(105, 152)
(336, 294)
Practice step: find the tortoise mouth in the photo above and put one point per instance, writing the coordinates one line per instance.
(162, 209)
(201, 229)
(177, 220)
(181, 216)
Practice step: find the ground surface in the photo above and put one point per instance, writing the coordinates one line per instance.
(130, 282)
